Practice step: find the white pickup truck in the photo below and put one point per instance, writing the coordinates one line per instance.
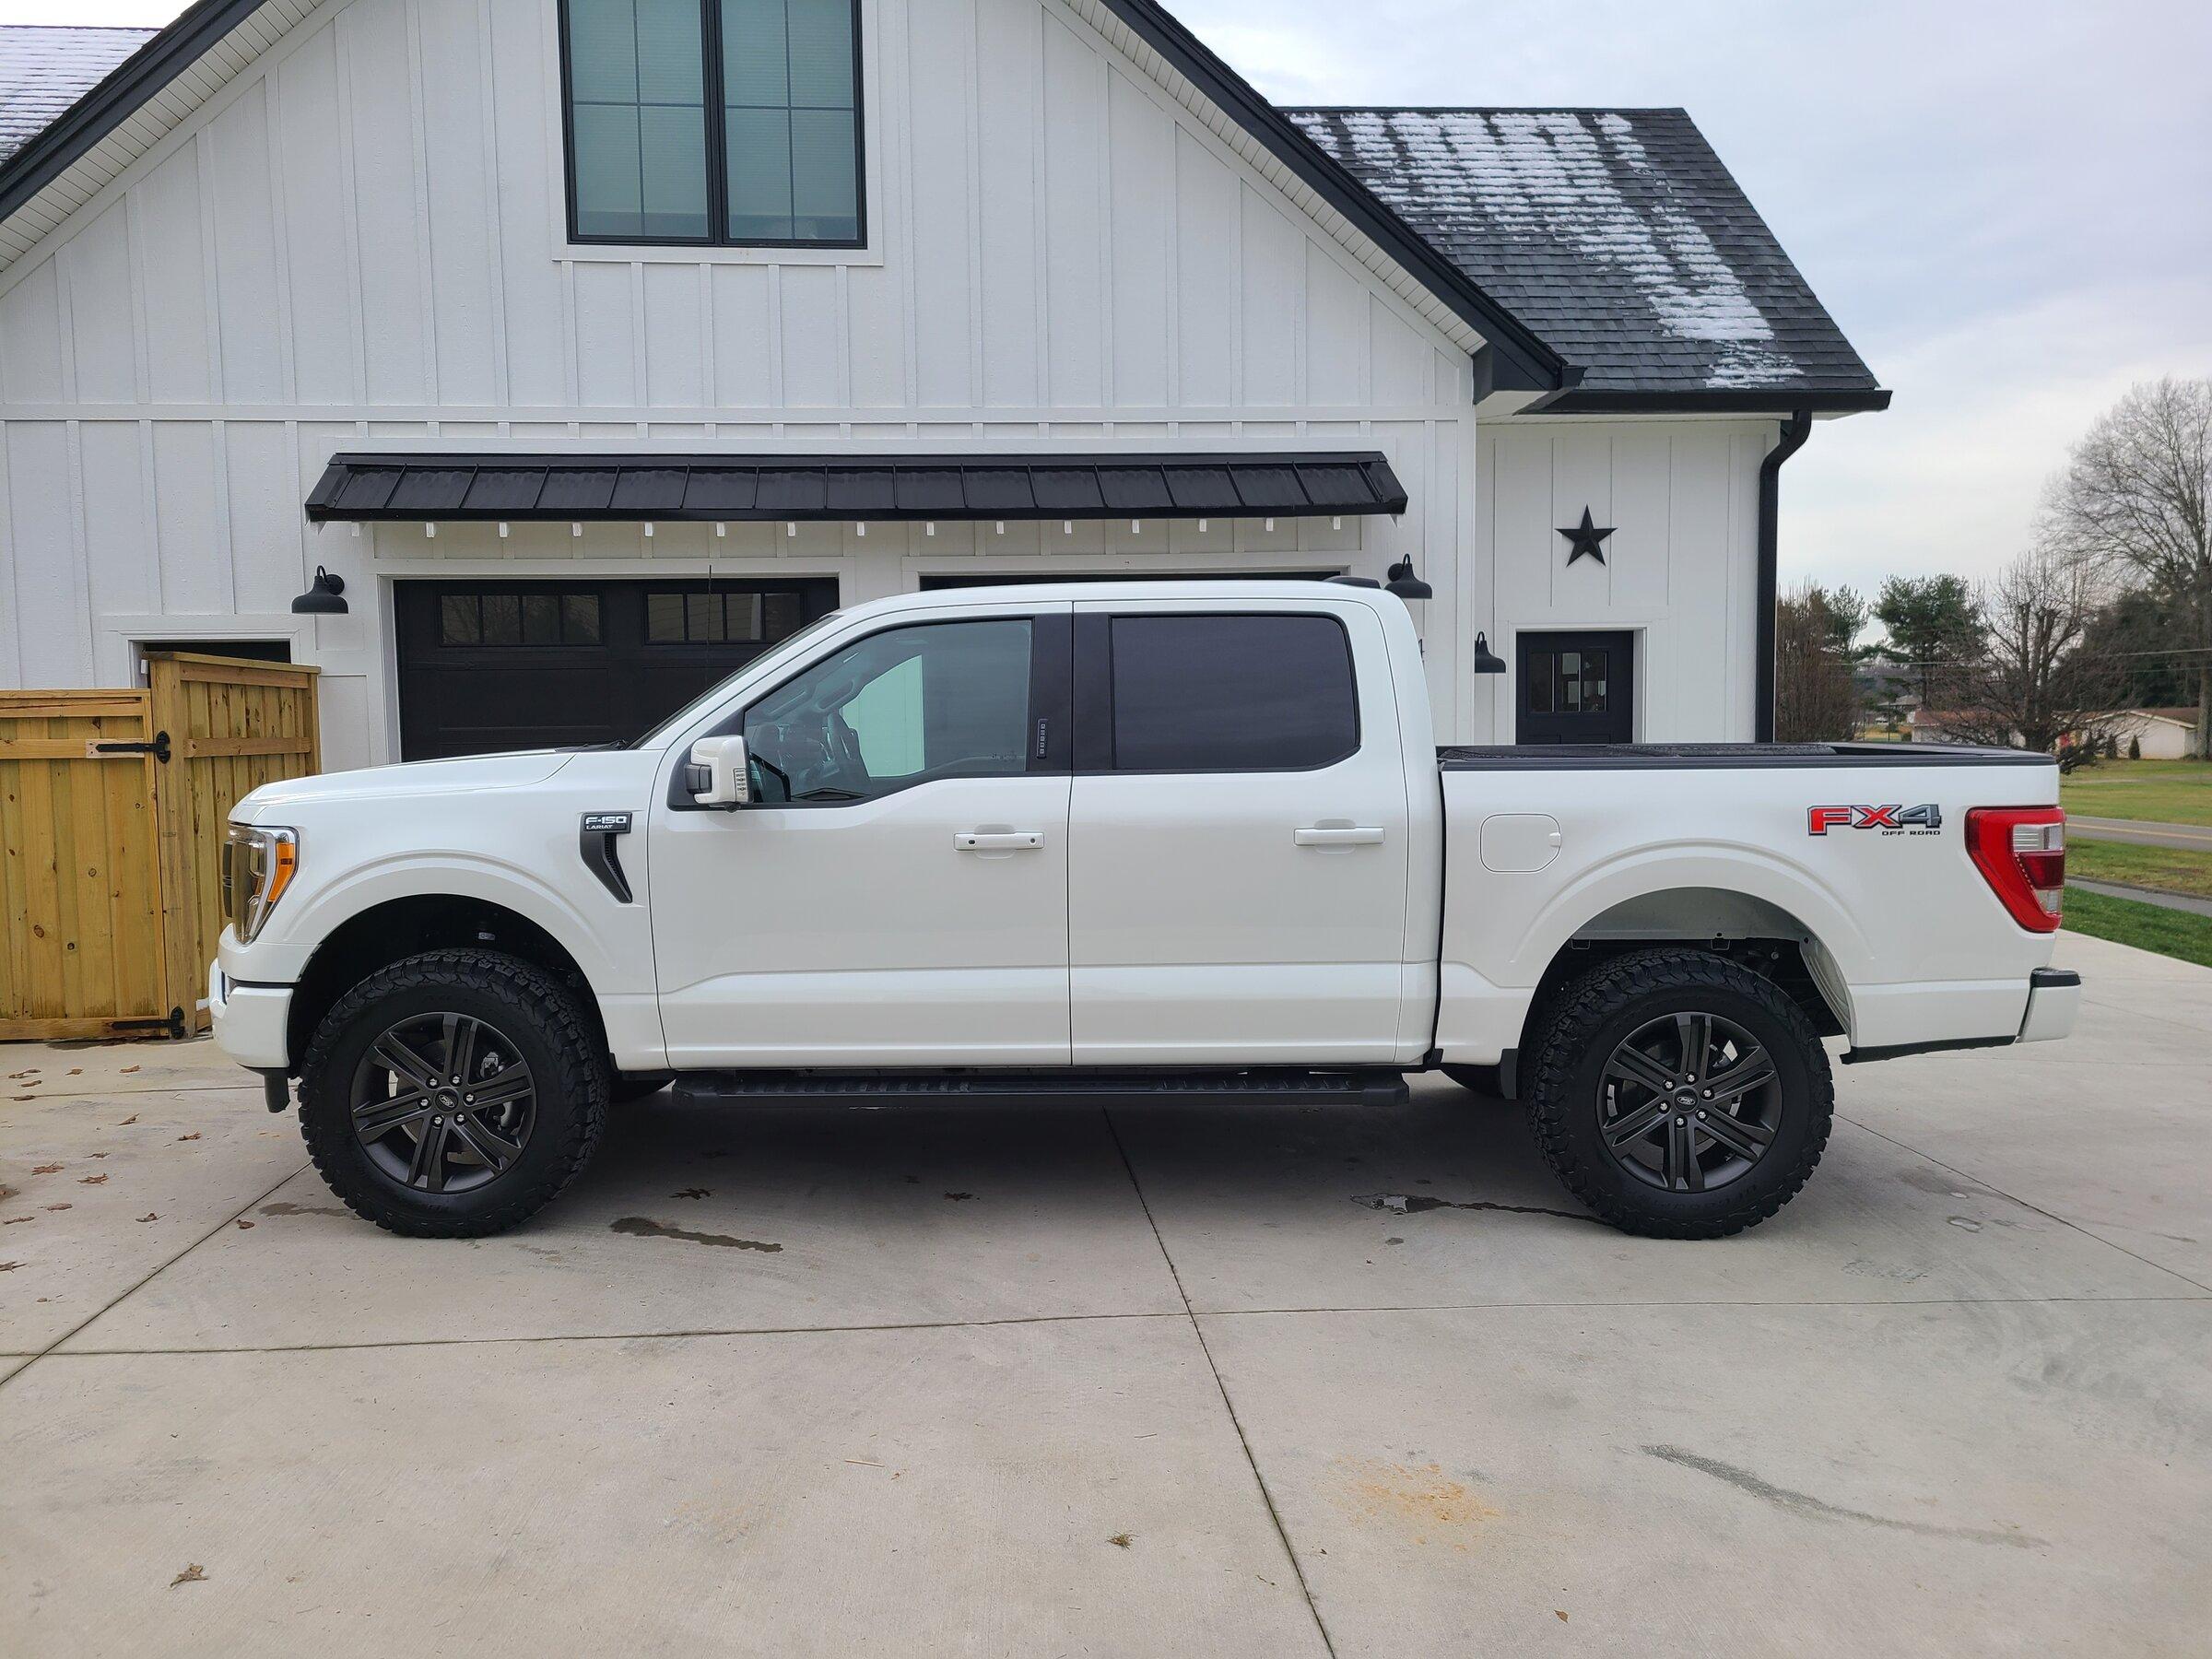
(1189, 839)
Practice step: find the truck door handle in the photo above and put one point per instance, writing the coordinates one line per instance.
(996, 841)
(1337, 835)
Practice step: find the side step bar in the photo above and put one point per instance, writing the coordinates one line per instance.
(1363, 1086)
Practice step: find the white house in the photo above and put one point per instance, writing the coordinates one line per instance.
(592, 343)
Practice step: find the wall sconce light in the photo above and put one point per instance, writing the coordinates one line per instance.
(1486, 660)
(324, 597)
(1405, 584)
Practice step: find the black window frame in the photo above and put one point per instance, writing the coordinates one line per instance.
(1094, 707)
(718, 155)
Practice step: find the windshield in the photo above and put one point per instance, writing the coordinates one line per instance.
(690, 710)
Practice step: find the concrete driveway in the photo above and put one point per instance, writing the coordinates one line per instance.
(1269, 1381)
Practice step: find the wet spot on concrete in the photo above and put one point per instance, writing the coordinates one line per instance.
(1817, 1509)
(1417, 1203)
(282, 1209)
(645, 1227)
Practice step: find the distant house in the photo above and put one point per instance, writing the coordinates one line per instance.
(2165, 734)
(595, 346)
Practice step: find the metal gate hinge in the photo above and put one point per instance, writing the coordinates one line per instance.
(98, 749)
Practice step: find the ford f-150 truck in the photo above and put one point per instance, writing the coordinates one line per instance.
(1189, 839)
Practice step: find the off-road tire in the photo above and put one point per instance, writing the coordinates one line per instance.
(1594, 1012)
(545, 1020)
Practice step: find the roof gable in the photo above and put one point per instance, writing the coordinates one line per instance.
(1619, 236)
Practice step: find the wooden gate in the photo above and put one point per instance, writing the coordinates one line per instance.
(113, 809)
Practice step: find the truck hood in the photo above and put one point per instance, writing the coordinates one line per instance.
(415, 779)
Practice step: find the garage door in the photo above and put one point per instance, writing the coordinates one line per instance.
(490, 666)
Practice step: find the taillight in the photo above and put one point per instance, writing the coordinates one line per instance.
(2022, 853)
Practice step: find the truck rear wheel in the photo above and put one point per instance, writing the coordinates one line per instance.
(453, 1094)
(1680, 1095)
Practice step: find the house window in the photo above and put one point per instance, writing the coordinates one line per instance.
(720, 122)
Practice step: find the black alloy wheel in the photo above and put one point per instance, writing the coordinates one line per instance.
(443, 1102)
(1688, 1101)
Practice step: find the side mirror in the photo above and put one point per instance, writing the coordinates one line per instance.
(718, 775)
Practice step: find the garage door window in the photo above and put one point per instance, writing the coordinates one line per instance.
(1223, 694)
(518, 619)
(675, 617)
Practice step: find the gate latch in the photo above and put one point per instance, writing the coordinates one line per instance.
(98, 749)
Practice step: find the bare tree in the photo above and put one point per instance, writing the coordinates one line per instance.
(2134, 497)
(2032, 684)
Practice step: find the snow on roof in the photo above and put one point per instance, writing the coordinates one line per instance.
(45, 69)
(1617, 235)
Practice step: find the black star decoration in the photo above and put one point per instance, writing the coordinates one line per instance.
(1586, 538)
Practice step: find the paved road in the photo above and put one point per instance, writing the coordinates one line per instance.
(1270, 1379)
(2141, 832)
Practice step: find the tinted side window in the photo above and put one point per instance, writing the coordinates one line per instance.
(948, 700)
(1258, 693)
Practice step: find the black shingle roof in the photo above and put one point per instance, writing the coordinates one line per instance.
(1616, 235)
(44, 70)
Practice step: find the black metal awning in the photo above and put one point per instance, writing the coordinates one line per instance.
(674, 488)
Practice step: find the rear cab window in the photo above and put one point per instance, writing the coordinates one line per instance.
(1250, 693)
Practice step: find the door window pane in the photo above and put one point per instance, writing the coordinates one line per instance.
(1542, 665)
(1256, 693)
(945, 700)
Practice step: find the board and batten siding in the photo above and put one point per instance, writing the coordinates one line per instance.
(1680, 569)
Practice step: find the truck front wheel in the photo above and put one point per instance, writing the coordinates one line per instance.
(453, 1094)
(1680, 1095)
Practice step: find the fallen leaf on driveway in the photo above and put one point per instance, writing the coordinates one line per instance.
(55, 1206)
(128, 1122)
(76, 1071)
(12, 1219)
(44, 1169)
(692, 1193)
(10, 1266)
(1121, 1540)
(242, 1223)
(129, 1069)
(193, 1135)
(8, 1192)
(150, 1216)
(194, 1572)
(91, 1180)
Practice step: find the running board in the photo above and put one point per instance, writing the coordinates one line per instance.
(1365, 1086)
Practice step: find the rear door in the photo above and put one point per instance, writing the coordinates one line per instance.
(1237, 836)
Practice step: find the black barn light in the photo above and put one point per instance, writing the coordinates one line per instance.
(324, 598)
(1405, 584)
(1486, 660)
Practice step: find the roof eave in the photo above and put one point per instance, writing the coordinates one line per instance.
(117, 98)
(1713, 400)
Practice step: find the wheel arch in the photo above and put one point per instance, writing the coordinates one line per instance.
(392, 930)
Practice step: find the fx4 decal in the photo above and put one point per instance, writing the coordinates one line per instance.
(1896, 820)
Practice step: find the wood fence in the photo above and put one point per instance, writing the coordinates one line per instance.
(112, 810)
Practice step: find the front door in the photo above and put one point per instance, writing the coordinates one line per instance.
(1239, 853)
(895, 894)
(1577, 687)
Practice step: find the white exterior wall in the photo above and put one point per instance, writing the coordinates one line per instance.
(1680, 570)
(359, 243)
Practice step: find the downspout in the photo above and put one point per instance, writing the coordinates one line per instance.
(1794, 431)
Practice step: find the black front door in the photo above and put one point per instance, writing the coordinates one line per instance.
(490, 666)
(1577, 687)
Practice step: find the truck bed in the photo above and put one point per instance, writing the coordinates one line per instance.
(1680, 756)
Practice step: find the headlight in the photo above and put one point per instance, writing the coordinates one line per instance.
(258, 862)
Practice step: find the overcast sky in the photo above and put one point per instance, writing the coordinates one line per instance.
(2007, 206)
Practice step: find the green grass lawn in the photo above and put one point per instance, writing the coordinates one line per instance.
(2146, 926)
(2171, 869)
(2172, 791)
